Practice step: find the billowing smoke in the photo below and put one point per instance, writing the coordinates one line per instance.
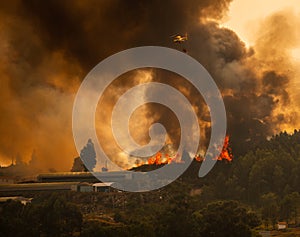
(48, 47)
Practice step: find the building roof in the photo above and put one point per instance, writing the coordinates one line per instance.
(84, 184)
(103, 184)
(282, 223)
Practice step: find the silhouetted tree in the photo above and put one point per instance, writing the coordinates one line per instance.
(78, 165)
(88, 156)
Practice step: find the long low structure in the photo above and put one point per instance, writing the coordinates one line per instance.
(37, 186)
(96, 187)
(113, 176)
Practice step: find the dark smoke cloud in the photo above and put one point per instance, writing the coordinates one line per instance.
(48, 47)
(93, 30)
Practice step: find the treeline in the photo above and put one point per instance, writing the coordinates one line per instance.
(56, 216)
(266, 177)
(51, 216)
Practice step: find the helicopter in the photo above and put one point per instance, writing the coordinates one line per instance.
(179, 38)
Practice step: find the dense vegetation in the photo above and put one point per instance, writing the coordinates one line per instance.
(181, 216)
(266, 177)
(258, 188)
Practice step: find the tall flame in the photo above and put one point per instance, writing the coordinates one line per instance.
(226, 153)
(164, 158)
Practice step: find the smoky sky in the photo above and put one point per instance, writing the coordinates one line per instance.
(92, 31)
(49, 46)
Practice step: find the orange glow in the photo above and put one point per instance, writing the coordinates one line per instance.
(159, 160)
(198, 158)
(162, 159)
(226, 153)
(169, 159)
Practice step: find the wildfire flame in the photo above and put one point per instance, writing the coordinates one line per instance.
(158, 159)
(226, 153)
(164, 158)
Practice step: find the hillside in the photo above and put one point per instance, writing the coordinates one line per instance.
(237, 198)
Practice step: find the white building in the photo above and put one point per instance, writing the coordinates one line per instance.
(102, 187)
(282, 225)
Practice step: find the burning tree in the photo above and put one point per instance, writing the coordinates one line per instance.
(226, 153)
(88, 156)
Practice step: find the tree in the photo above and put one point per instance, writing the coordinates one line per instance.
(270, 209)
(49, 217)
(92, 229)
(175, 220)
(57, 217)
(88, 156)
(289, 207)
(224, 219)
(11, 221)
(78, 165)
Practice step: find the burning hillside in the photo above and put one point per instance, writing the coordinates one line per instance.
(163, 158)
